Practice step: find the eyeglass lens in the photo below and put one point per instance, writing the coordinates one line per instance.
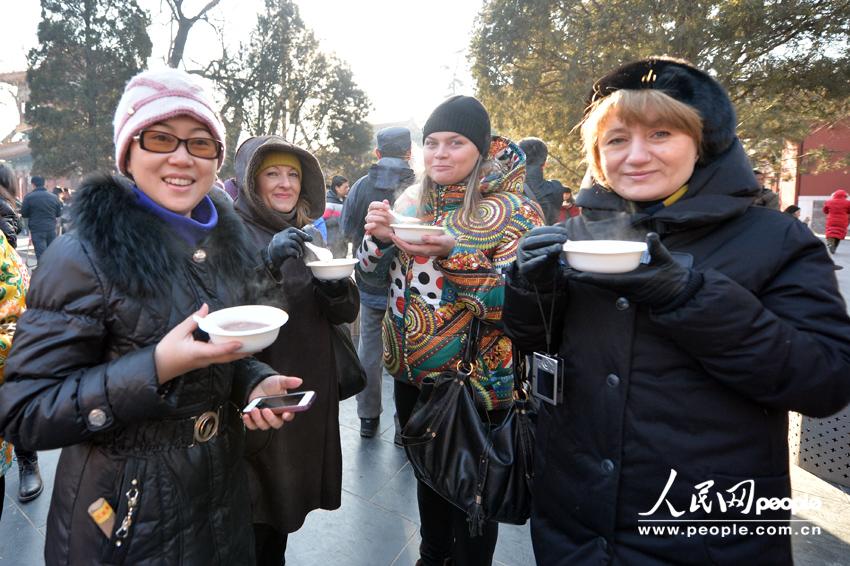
(162, 142)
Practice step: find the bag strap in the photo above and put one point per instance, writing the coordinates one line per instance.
(519, 369)
(471, 350)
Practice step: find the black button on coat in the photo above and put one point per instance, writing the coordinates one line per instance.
(703, 390)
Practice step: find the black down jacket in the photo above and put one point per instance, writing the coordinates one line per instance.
(703, 390)
(82, 376)
(10, 224)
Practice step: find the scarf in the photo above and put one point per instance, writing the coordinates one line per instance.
(193, 228)
(655, 206)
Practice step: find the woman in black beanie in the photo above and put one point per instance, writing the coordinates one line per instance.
(473, 188)
(678, 375)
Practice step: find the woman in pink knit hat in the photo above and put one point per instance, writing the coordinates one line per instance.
(109, 365)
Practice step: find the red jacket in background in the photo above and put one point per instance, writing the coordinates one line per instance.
(837, 210)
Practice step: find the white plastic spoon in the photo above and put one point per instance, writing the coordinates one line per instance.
(323, 254)
(402, 219)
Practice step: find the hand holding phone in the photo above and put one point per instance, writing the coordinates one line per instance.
(290, 403)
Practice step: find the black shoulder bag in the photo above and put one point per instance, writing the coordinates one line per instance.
(485, 469)
(349, 371)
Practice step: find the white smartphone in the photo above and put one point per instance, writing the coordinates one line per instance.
(289, 403)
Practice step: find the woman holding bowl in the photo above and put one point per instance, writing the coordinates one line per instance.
(473, 188)
(298, 468)
(107, 363)
(677, 376)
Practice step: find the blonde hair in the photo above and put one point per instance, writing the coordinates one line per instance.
(472, 196)
(302, 213)
(646, 107)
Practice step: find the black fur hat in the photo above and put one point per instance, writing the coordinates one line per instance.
(684, 82)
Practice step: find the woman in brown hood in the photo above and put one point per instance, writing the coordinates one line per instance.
(281, 191)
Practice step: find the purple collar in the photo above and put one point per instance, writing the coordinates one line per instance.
(192, 228)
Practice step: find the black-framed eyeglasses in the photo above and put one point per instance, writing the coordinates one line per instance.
(163, 142)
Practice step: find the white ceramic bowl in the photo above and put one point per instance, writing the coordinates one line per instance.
(604, 256)
(337, 268)
(412, 233)
(224, 326)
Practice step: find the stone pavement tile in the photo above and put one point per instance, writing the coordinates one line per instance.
(809, 484)
(388, 404)
(399, 494)
(21, 544)
(358, 534)
(832, 516)
(348, 410)
(389, 435)
(368, 463)
(514, 545)
(348, 414)
(822, 549)
(410, 554)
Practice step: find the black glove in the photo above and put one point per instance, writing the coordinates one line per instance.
(663, 285)
(315, 234)
(285, 244)
(538, 253)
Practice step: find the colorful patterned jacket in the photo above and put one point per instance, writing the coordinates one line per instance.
(14, 281)
(432, 301)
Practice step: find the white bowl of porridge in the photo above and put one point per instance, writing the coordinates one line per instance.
(412, 233)
(604, 256)
(334, 269)
(256, 326)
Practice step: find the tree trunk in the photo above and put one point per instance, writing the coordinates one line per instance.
(176, 55)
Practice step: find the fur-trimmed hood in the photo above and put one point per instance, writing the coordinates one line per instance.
(136, 250)
(248, 159)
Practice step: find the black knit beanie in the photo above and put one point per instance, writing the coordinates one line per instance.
(464, 115)
(685, 83)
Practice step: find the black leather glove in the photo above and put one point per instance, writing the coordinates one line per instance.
(538, 253)
(285, 244)
(663, 285)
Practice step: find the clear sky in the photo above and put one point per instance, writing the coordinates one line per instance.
(404, 53)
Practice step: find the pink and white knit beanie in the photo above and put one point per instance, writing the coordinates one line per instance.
(154, 96)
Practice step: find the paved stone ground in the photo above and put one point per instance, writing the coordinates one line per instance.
(377, 524)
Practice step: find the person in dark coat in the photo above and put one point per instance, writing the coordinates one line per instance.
(298, 468)
(334, 200)
(41, 208)
(106, 364)
(765, 197)
(549, 194)
(30, 484)
(837, 210)
(10, 223)
(385, 181)
(13, 288)
(679, 375)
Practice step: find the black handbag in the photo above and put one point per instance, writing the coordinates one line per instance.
(350, 373)
(485, 469)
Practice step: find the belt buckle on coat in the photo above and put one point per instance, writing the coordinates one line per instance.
(206, 426)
